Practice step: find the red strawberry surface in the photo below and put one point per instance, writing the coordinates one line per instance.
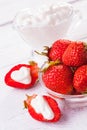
(32, 73)
(57, 49)
(75, 54)
(80, 79)
(39, 115)
(58, 78)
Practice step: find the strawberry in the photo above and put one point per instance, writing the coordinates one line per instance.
(22, 76)
(75, 54)
(80, 79)
(58, 78)
(57, 49)
(43, 108)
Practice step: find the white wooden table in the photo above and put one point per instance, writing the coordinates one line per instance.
(13, 50)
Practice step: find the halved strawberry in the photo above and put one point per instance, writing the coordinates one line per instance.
(22, 76)
(43, 108)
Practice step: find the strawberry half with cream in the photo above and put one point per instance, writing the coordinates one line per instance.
(43, 108)
(22, 76)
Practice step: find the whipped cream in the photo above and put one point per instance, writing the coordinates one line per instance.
(46, 25)
(22, 75)
(42, 107)
(48, 15)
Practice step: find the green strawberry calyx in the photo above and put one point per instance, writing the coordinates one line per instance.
(48, 64)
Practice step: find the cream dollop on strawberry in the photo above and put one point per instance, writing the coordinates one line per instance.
(40, 105)
(22, 75)
(42, 108)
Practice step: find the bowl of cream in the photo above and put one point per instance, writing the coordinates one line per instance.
(46, 25)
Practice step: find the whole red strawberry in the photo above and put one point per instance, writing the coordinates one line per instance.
(57, 49)
(58, 78)
(75, 54)
(43, 108)
(80, 79)
(22, 75)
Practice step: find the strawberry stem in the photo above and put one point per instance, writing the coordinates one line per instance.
(47, 64)
(44, 52)
(28, 100)
(85, 44)
(32, 63)
(25, 104)
(41, 53)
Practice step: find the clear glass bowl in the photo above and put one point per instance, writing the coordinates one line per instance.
(73, 101)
